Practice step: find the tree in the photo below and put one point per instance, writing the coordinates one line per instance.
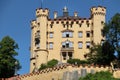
(7, 57)
(112, 33)
(99, 76)
(101, 54)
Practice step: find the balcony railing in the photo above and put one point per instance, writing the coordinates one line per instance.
(67, 49)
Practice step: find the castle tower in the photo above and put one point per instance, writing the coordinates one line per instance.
(39, 51)
(98, 20)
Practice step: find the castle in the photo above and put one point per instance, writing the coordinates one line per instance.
(64, 37)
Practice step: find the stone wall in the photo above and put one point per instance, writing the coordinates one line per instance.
(64, 72)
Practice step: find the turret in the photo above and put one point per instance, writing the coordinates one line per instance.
(100, 10)
(32, 56)
(65, 12)
(55, 14)
(75, 14)
(98, 20)
(39, 51)
(42, 12)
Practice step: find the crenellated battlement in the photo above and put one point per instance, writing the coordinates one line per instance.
(60, 69)
(33, 24)
(100, 10)
(42, 12)
(71, 22)
(58, 72)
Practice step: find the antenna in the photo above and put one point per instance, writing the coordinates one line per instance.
(41, 3)
(67, 3)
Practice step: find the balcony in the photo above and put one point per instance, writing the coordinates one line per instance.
(67, 49)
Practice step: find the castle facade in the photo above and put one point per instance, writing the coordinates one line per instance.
(64, 37)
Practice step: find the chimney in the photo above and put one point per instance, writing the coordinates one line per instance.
(55, 14)
(75, 14)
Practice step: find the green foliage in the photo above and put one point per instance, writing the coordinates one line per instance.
(43, 66)
(99, 76)
(112, 33)
(52, 63)
(76, 61)
(94, 55)
(7, 57)
(49, 64)
(101, 54)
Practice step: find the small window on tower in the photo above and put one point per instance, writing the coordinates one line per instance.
(37, 39)
(51, 45)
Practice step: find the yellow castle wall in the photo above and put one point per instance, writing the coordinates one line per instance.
(56, 73)
(42, 54)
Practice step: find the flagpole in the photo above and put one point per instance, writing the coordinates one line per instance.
(67, 3)
(41, 3)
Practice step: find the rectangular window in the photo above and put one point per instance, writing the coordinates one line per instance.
(64, 55)
(80, 45)
(70, 55)
(87, 45)
(80, 34)
(63, 45)
(71, 34)
(51, 45)
(63, 35)
(51, 35)
(71, 44)
(88, 34)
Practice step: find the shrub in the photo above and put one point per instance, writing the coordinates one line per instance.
(49, 64)
(52, 63)
(76, 61)
(43, 66)
(103, 75)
